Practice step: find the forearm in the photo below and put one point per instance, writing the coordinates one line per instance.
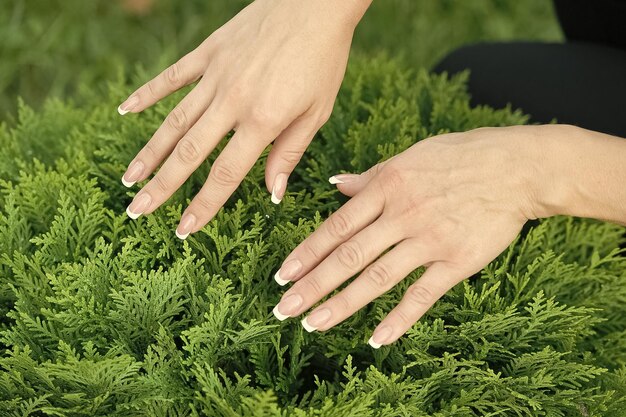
(583, 174)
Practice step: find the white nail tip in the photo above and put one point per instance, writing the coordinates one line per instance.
(307, 326)
(334, 180)
(275, 199)
(181, 236)
(121, 111)
(128, 184)
(373, 344)
(279, 280)
(280, 316)
(131, 214)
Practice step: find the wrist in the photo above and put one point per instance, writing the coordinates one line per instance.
(580, 173)
(550, 183)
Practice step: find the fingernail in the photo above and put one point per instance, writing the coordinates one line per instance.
(288, 272)
(279, 188)
(138, 205)
(132, 174)
(287, 306)
(380, 336)
(316, 319)
(128, 105)
(185, 226)
(343, 178)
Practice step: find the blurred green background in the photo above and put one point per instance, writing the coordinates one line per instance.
(50, 47)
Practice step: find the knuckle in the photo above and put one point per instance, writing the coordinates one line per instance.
(412, 208)
(403, 317)
(161, 183)
(262, 117)
(378, 275)
(472, 254)
(235, 94)
(150, 151)
(224, 172)
(311, 251)
(350, 255)
(208, 43)
(374, 171)
(420, 295)
(173, 75)
(314, 288)
(291, 157)
(325, 115)
(344, 302)
(187, 151)
(394, 177)
(205, 203)
(340, 225)
(152, 89)
(177, 120)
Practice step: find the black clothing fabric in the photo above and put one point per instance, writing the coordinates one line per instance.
(578, 83)
(597, 21)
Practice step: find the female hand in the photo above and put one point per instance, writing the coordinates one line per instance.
(450, 203)
(272, 73)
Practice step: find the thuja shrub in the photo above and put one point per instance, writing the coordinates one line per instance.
(104, 316)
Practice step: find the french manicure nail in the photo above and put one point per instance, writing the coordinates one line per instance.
(279, 188)
(132, 174)
(288, 272)
(279, 280)
(186, 226)
(287, 306)
(138, 205)
(316, 319)
(380, 336)
(128, 105)
(343, 178)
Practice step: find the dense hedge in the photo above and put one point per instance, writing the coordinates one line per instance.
(104, 316)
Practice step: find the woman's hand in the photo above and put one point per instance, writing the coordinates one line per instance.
(450, 203)
(271, 74)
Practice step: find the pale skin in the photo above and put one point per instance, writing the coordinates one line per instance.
(450, 203)
(271, 74)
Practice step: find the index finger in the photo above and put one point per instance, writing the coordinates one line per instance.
(184, 72)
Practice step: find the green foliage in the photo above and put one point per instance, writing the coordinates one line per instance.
(104, 316)
(51, 47)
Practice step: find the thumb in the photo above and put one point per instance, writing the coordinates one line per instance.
(352, 184)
